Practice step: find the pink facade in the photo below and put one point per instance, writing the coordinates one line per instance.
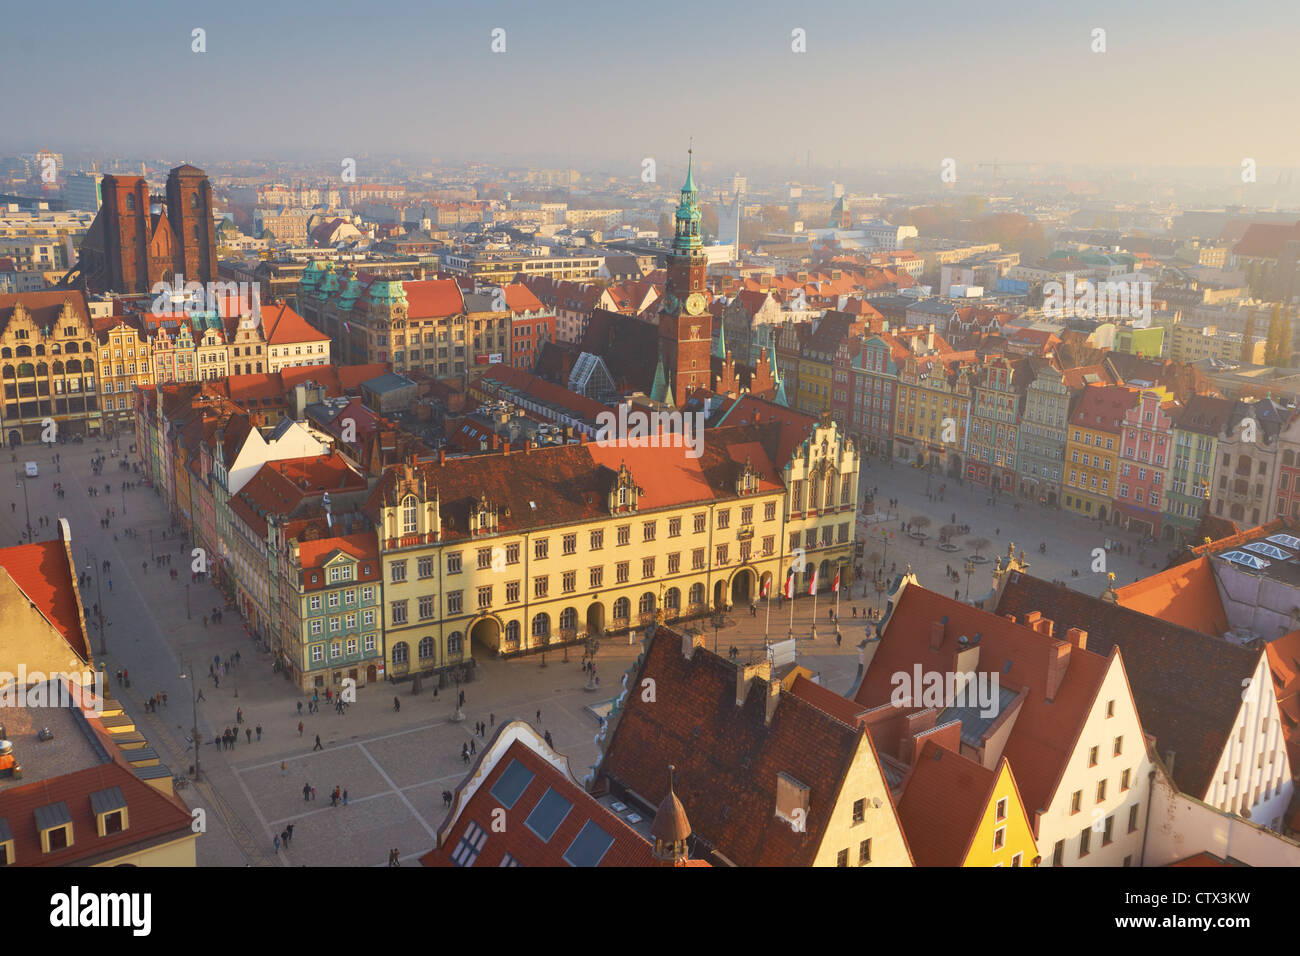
(1144, 450)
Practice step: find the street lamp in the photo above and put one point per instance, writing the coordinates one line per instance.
(718, 620)
(194, 700)
(970, 569)
(27, 508)
(152, 556)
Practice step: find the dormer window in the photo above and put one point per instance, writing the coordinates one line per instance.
(410, 515)
(55, 825)
(109, 807)
(6, 843)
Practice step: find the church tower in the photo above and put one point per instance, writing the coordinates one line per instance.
(685, 325)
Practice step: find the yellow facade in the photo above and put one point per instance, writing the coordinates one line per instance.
(1004, 836)
(517, 591)
(814, 393)
(876, 839)
(1091, 464)
(124, 363)
(932, 414)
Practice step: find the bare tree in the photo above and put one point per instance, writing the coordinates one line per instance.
(921, 522)
(979, 544)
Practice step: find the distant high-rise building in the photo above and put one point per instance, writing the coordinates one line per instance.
(82, 191)
(739, 184)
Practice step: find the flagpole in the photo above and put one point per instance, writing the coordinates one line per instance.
(789, 586)
(837, 602)
(814, 594)
(767, 621)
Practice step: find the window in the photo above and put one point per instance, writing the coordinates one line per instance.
(647, 567)
(1107, 831)
(512, 553)
(397, 572)
(722, 554)
(622, 571)
(864, 852)
(470, 846)
(674, 527)
(455, 601)
(1124, 779)
(624, 534)
(1085, 838)
(697, 559)
(333, 600)
(999, 838)
(1058, 854)
(1133, 818)
(842, 858)
(699, 523)
(317, 628)
(541, 585)
(1002, 810)
(399, 612)
(1092, 756)
(410, 515)
(1110, 708)
(540, 548)
(426, 607)
(597, 540)
(1101, 789)
(769, 511)
(597, 577)
(724, 518)
(315, 602)
(859, 810)
(570, 543)
(484, 559)
(1076, 801)
(512, 592)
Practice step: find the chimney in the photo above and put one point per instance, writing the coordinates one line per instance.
(745, 674)
(505, 448)
(528, 446)
(1077, 638)
(936, 633)
(689, 643)
(1056, 669)
(1045, 627)
(442, 456)
(968, 655)
(496, 441)
(773, 698)
(582, 438)
(1032, 619)
(1010, 617)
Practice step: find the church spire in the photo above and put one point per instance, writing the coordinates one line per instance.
(720, 346)
(659, 390)
(671, 829)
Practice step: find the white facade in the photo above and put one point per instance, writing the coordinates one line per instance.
(296, 442)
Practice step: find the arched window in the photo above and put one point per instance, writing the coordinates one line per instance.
(401, 653)
(71, 348)
(647, 603)
(622, 497)
(622, 608)
(40, 350)
(425, 648)
(696, 595)
(6, 352)
(673, 599)
(26, 370)
(830, 492)
(24, 351)
(812, 491)
(194, 200)
(454, 641)
(130, 202)
(569, 619)
(542, 625)
(512, 631)
(8, 372)
(74, 367)
(410, 515)
(90, 365)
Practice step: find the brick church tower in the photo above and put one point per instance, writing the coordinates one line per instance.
(130, 247)
(685, 324)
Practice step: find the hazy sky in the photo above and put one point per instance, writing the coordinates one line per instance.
(1181, 82)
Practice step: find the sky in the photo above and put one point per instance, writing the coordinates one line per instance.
(1192, 83)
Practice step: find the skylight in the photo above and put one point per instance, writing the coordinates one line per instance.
(589, 846)
(1248, 560)
(1286, 541)
(1268, 550)
(548, 815)
(511, 784)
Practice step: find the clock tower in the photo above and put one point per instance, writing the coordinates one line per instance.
(685, 324)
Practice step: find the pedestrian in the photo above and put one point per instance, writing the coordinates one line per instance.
(239, 715)
(248, 734)
(313, 793)
(345, 798)
(164, 698)
(539, 716)
(300, 728)
(299, 708)
(277, 844)
(492, 720)
(397, 704)
(289, 830)
(306, 792)
(284, 768)
(838, 638)
(259, 733)
(318, 746)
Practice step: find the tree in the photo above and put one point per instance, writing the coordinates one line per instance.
(1248, 340)
(1275, 348)
(979, 544)
(921, 522)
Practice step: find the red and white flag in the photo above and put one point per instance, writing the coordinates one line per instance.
(812, 584)
(836, 586)
(767, 586)
(788, 590)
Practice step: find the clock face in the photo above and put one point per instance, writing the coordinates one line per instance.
(695, 303)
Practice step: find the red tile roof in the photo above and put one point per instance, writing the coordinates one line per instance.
(433, 299)
(506, 828)
(43, 573)
(944, 800)
(727, 755)
(1284, 665)
(284, 326)
(280, 487)
(1264, 239)
(1102, 407)
(1186, 595)
(1044, 733)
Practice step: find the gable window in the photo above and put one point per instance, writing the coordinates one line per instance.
(410, 515)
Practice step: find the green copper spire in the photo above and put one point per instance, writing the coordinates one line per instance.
(686, 233)
(720, 346)
(659, 389)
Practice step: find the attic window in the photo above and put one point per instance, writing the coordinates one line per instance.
(55, 824)
(315, 578)
(109, 807)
